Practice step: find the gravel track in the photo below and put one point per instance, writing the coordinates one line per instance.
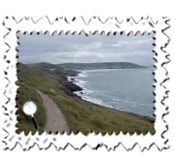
(56, 120)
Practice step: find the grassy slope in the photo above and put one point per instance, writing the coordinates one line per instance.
(26, 92)
(105, 65)
(60, 71)
(82, 115)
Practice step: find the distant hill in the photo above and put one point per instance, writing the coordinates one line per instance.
(104, 65)
(53, 69)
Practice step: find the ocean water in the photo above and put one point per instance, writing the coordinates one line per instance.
(122, 89)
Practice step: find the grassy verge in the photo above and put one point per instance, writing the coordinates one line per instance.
(86, 117)
(26, 93)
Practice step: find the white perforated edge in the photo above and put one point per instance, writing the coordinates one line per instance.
(94, 24)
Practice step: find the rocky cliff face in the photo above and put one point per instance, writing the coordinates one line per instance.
(71, 86)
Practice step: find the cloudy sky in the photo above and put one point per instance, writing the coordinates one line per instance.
(62, 48)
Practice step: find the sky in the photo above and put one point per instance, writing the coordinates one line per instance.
(58, 49)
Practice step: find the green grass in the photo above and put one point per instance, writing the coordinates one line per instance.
(81, 115)
(26, 93)
(59, 71)
(88, 117)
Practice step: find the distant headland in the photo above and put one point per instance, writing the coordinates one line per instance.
(100, 65)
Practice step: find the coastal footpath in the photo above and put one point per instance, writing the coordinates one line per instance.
(81, 115)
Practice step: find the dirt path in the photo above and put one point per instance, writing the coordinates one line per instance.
(56, 120)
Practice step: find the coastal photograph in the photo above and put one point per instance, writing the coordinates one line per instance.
(71, 83)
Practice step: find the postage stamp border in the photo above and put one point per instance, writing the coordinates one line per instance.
(145, 26)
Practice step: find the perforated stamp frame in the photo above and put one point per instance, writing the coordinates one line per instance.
(78, 24)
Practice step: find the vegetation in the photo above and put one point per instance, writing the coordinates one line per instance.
(26, 92)
(104, 65)
(58, 71)
(81, 115)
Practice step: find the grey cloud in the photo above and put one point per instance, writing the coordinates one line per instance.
(95, 48)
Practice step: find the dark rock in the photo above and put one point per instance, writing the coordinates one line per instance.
(72, 79)
(72, 87)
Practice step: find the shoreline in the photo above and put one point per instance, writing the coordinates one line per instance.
(70, 85)
(110, 69)
(81, 115)
(80, 89)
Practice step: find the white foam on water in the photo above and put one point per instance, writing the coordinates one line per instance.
(100, 70)
(82, 74)
(80, 83)
(85, 94)
(88, 91)
(69, 78)
(114, 99)
(96, 101)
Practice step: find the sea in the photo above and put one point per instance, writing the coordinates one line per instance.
(128, 90)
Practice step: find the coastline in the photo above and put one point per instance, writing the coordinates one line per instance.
(81, 114)
(109, 69)
(70, 83)
(76, 92)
